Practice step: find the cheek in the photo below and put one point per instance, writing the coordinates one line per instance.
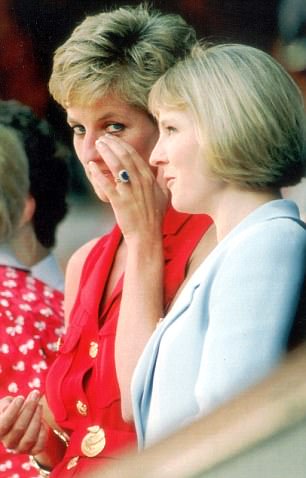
(77, 148)
(145, 142)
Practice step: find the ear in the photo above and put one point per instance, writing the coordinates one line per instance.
(28, 211)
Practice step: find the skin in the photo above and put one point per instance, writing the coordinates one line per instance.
(194, 188)
(109, 136)
(138, 206)
(112, 116)
(126, 138)
(185, 168)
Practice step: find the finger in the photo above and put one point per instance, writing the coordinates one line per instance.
(41, 440)
(102, 185)
(4, 403)
(29, 441)
(9, 414)
(115, 158)
(119, 155)
(22, 421)
(122, 148)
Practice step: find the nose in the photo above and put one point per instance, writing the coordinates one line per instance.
(158, 157)
(87, 151)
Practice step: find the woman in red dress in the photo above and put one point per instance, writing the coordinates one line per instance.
(102, 76)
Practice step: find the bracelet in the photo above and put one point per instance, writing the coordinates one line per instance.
(62, 436)
(43, 471)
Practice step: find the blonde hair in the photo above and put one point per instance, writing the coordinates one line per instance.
(248, 113)
(123, 51)
(14, 182)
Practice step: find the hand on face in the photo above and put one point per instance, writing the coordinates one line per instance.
(138, 204)
(21, 426)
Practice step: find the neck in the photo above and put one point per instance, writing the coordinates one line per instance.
(26, 247)
(237, 204)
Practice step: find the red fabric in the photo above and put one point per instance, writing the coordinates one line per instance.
(31, 318)
(75, 375)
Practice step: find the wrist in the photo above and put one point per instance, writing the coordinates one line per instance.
(43, 471)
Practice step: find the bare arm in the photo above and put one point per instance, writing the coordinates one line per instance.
(73, 274)
(141, 306)
(139, 207)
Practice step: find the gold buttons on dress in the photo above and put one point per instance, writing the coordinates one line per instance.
(93, 349)
(58, 344)
(72, 463)
(81, 407)
(94, 441)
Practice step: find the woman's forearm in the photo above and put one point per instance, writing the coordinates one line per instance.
(141, 307)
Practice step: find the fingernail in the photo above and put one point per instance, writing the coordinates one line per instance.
(100, 140)
(19, 400)
(33, 395)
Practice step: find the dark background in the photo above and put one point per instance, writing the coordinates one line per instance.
(30, 31)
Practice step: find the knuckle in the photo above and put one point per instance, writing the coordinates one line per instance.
(27, 444)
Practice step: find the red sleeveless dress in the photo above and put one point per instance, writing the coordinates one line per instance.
(82, 388)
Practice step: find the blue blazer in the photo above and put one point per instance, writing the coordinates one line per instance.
(229, 326)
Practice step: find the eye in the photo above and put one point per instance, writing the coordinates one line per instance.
(114, 128)
(78, 130)
(170, 130)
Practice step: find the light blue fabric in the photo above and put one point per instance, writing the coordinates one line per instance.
(229, 326)
(47, 270)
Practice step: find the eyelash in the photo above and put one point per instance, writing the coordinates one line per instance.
(121, 128)
(76, 130)
(79, 130)
(169, 130)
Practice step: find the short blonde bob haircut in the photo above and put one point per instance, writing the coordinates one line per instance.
(14, 182)
(122, 52)
(248, 113)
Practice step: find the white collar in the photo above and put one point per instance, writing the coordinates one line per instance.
(47, 270)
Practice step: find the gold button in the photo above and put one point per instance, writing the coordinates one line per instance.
(81, 407)
(93, 349)
(94, 441)
(72, 463)
(58, 344)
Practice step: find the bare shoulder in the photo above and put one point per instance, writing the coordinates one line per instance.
(73, 274)
(78, 258)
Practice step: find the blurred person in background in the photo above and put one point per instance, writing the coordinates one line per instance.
(48, 194)
(34, 185)
(102, 76)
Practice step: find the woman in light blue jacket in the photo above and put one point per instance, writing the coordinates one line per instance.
(232, 134)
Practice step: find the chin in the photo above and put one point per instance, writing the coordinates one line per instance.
(179, 207)
(184, 207)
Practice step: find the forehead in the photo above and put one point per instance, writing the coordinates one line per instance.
(166, 115)
(104, 107)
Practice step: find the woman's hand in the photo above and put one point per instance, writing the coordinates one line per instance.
(138, 204)
(21, 427)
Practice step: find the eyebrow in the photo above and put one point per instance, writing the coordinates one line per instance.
(167, 120)
(106, 116)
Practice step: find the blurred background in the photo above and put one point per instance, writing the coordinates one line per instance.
(30, 31)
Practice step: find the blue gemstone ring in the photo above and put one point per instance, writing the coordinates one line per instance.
(123, 176)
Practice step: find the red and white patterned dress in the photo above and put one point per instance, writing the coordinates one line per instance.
(31, 318)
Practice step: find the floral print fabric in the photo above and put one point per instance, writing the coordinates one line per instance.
(31, 318)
